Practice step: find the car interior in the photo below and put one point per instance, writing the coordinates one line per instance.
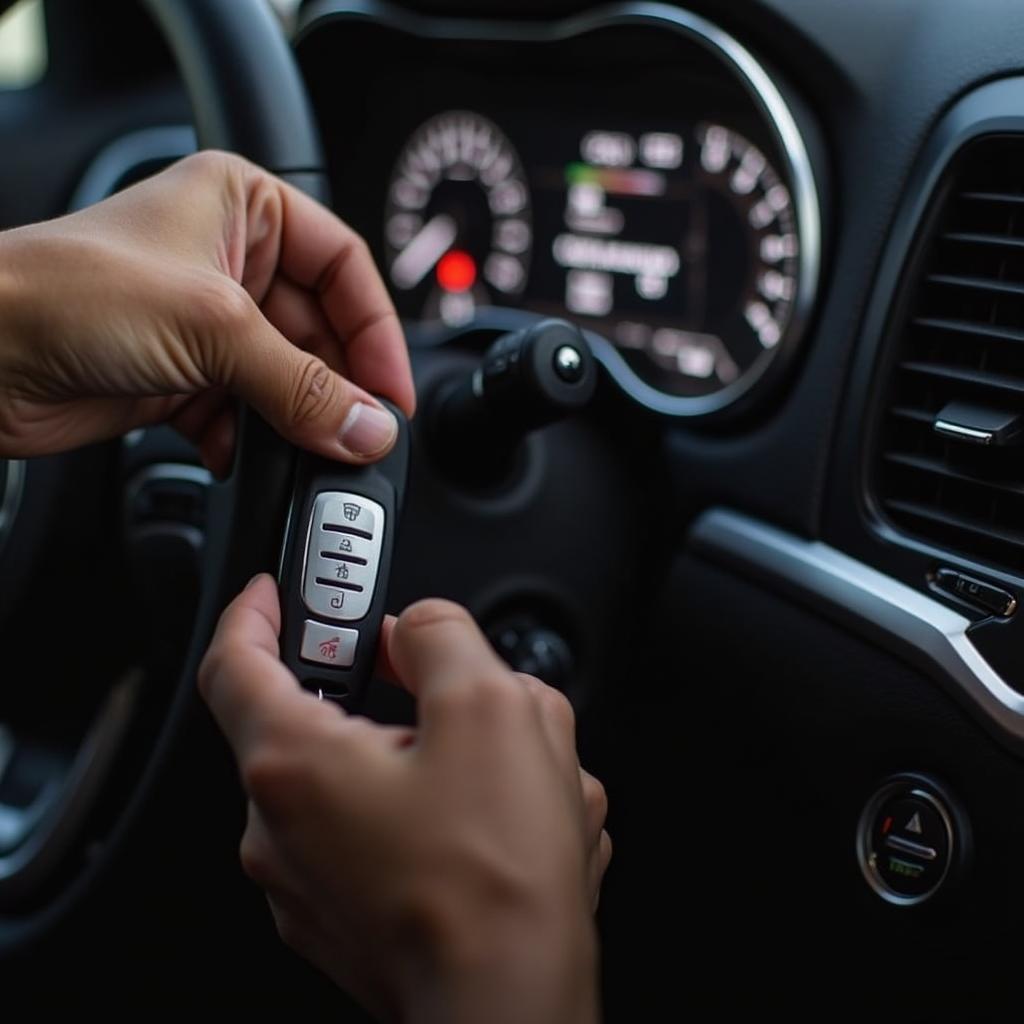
(716, 315)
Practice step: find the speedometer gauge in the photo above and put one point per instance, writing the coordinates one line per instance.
(457, 224)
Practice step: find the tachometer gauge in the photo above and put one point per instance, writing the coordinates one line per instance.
(682, 249)
(457, 228)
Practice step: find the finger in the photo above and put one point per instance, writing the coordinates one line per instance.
(297, 314)
(384, 669)
(259, 858)
(558, 720)
(322, 254)
(437, 650)
(195, 415)
(249, 691)
(595, 803)
(599, 861)
(296, 392)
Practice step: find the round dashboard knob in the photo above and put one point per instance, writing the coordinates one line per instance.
(911, 838)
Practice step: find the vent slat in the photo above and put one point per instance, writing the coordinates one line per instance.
(953, 521)
(960, 343)
(978, 284)
(941, 323)
(938, 467)
(996, 381)
(908, 412)
(994, 197)
(984, 238)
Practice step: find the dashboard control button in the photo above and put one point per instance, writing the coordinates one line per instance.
(529, 646)
(328, 645)
(342, 556)
(907, 840)
(984, 595)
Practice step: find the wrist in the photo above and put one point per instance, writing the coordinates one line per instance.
(540, 970)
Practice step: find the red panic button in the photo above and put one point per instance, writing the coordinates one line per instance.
(456, 271)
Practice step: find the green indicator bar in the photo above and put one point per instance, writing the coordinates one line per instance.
(905, 868)
(581, 174)
(620, 181)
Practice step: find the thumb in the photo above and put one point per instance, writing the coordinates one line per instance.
(298, 394)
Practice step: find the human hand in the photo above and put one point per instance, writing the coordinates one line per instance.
(447, 873)
(211, 279)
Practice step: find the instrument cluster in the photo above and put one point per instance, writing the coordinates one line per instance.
(641, 175)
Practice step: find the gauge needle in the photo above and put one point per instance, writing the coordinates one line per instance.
(429, 244)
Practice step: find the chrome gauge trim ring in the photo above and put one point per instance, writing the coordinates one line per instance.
(737, 59)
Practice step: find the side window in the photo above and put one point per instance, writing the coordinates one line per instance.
(22, 45)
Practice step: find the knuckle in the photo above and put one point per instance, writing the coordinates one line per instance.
(435, 611)
(357, 248)
(596, 797)
(314, 393)
(255, 862)
(221, 305)
(274, 778)
(556, 706)
(491, 696)
(209, 163)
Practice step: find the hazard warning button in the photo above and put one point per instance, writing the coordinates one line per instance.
(908, 838)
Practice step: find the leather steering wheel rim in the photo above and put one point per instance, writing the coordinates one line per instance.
(247, 97)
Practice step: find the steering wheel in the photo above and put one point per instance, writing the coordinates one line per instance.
(247, 96)
(156, 793)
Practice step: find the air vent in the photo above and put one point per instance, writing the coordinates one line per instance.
(943, 473)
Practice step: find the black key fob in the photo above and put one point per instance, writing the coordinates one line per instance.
(335, 567)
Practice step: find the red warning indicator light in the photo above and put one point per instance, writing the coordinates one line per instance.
(456, 271)
(886, 826)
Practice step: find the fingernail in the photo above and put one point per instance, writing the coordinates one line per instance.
(367, 429)
(253, 580)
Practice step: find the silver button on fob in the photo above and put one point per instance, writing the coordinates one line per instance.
(335, 566)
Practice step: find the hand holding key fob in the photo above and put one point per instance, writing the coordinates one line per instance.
(335, 567)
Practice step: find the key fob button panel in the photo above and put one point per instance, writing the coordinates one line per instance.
(342, 556)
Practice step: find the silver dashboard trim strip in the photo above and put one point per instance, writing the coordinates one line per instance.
(752, 76)
(916, 627)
